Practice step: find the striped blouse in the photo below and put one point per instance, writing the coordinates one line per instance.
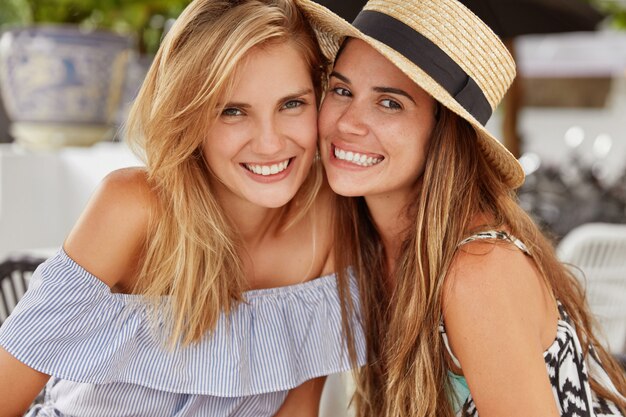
(106, 359)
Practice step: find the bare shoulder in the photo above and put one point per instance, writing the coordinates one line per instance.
(497, 318)
(108, 238)
(126, 189)
(499, 267)
(491, 282)
(493, 288)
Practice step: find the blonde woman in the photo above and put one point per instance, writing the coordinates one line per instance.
(467, 310)
(190, 287)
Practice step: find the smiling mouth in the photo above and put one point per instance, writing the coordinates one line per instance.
(267, 169)
(356, 158)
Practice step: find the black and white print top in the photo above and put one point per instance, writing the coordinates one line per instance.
(568, 368)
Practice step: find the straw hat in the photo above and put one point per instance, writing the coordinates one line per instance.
(444, 48)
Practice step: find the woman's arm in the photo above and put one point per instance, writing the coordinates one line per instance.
(499, 319)
(303, 401)
(19, 385)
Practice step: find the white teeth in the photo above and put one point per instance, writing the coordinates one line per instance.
(356, 158)
(268, 169)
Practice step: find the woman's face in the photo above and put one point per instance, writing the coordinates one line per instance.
(261, 148)
(374, 125)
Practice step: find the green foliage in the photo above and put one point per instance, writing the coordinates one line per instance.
(615, 9)
(15, 12)
(144, 19)
(618, 15)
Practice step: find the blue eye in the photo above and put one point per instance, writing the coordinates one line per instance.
(232, 112)
(293, 104)
(390, 104)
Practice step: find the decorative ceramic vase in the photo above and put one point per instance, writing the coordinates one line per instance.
(62, 86)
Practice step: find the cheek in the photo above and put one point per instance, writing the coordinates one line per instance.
(302, 130)
(210, 159)
(310, 130)
(220, 145)
(408, 142)
(419, 150)
(327, 119)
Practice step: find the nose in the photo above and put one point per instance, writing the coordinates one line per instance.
(268, 139)
(351, 121)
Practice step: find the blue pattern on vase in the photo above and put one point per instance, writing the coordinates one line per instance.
(60, 74)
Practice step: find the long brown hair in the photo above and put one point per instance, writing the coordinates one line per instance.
(192, 252)
(407, 368)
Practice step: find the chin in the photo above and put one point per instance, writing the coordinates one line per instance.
(273, 201)
(344, 188)
(345, 191)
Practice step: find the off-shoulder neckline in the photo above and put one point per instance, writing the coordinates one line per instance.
(304, 286)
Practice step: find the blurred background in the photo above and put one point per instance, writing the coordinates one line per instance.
(70, 68)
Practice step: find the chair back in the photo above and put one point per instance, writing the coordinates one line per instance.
(15, 274)
(599, 251)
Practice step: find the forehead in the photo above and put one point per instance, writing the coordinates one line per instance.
(361, 63)
(278, 56)
(270, 65)
(355, 53)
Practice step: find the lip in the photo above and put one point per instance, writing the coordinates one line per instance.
(272, 178)
(340, 163)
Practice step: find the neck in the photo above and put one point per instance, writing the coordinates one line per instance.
(389, 214)
(255, 223)
(252, 223)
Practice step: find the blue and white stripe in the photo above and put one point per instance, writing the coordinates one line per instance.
(101, 345)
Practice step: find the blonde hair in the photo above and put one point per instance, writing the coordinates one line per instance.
(407, 366)
(192, 252)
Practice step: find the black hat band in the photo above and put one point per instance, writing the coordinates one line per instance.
(429, 57)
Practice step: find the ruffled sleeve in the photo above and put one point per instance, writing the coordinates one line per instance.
(71, 326)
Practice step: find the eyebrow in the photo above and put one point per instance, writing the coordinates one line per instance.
(341, 77)
(295, 95)
(234, 104)
(377, 89)
(394, 91)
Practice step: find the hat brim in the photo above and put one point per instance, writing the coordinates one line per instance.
(332, 30)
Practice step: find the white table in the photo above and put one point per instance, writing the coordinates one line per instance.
(43, 193)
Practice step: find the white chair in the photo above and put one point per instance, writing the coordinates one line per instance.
(336, 396)
(599, 250)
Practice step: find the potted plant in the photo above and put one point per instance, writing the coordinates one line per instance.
(144, 20)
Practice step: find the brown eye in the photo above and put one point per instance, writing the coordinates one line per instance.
(340, 91)
(391, 104)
